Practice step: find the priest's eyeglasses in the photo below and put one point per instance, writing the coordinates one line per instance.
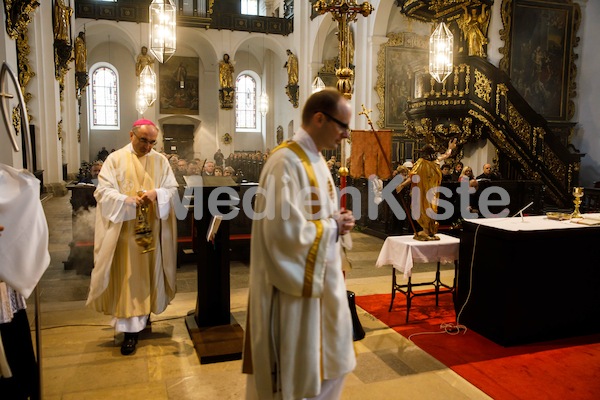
(345, 126)
(144, 140)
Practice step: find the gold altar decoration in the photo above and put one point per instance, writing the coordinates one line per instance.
(143, 231)
(344, 12)
(578, 194)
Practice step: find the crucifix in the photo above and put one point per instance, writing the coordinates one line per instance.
(344, 12)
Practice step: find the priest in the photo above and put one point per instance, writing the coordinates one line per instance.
(299, 337)
(128, 281)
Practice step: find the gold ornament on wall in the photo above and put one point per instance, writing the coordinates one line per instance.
(227, 139)
(17, 15)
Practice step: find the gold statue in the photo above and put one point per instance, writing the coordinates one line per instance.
(226, 72)
(62, 21)
(142, 60)
(292, 68)
(143, 230)
(80, 53)
(474, 28)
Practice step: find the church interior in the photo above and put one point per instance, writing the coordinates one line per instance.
(225, 88)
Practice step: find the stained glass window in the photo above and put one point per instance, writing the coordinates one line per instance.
(105, 98)
(245, 102)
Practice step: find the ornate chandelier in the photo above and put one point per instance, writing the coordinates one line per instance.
(145, 96)
(163, 38)
(441, 45)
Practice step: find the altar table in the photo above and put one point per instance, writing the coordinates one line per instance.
(530, 279)
(402, 252)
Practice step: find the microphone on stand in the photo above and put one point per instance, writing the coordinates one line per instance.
(520, 212)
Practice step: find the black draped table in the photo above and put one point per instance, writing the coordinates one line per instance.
(529, 279)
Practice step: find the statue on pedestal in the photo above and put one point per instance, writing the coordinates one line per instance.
(227, 91)
(292, 69)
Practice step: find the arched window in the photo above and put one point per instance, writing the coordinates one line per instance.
(246, 102)
(103, 97)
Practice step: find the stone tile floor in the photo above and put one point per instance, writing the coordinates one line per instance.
(81, 361)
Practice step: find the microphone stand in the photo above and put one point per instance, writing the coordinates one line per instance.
(520, 212)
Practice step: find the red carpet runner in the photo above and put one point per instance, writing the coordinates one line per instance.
(560, 369)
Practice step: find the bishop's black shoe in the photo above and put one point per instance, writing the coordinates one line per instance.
(129, 343)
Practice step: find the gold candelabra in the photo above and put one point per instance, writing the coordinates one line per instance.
(143, 230)
(578, 194)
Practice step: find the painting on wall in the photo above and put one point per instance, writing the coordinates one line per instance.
(540, 38)
(178, 86)
(401, 65)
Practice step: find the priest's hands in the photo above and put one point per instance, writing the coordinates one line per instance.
(345, 221)
(133, 200)
(148, 196)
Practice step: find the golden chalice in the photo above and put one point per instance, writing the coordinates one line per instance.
(578, 194)
(143, 231)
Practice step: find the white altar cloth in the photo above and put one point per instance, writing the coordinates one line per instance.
(403, 251)
(530, 223)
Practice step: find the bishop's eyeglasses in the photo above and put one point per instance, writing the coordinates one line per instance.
(144, 140)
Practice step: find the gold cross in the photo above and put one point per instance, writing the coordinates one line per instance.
(344, 12)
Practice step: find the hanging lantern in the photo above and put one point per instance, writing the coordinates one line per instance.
(140, 101)
(318, 85)
(263, 105)
(441, 45)
(148, 85)
(163, 39)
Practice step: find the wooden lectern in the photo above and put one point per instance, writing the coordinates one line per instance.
(216, 335)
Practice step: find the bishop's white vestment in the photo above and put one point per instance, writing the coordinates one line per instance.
(299, 328)
(126, 283)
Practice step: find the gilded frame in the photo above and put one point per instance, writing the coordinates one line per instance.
(173, 99)
(540, 37)
(401, 62)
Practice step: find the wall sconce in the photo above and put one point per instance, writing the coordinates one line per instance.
(163, 37)
(441, 45)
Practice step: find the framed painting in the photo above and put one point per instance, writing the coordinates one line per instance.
(178, 86)
(539, 39)
(401, 64)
